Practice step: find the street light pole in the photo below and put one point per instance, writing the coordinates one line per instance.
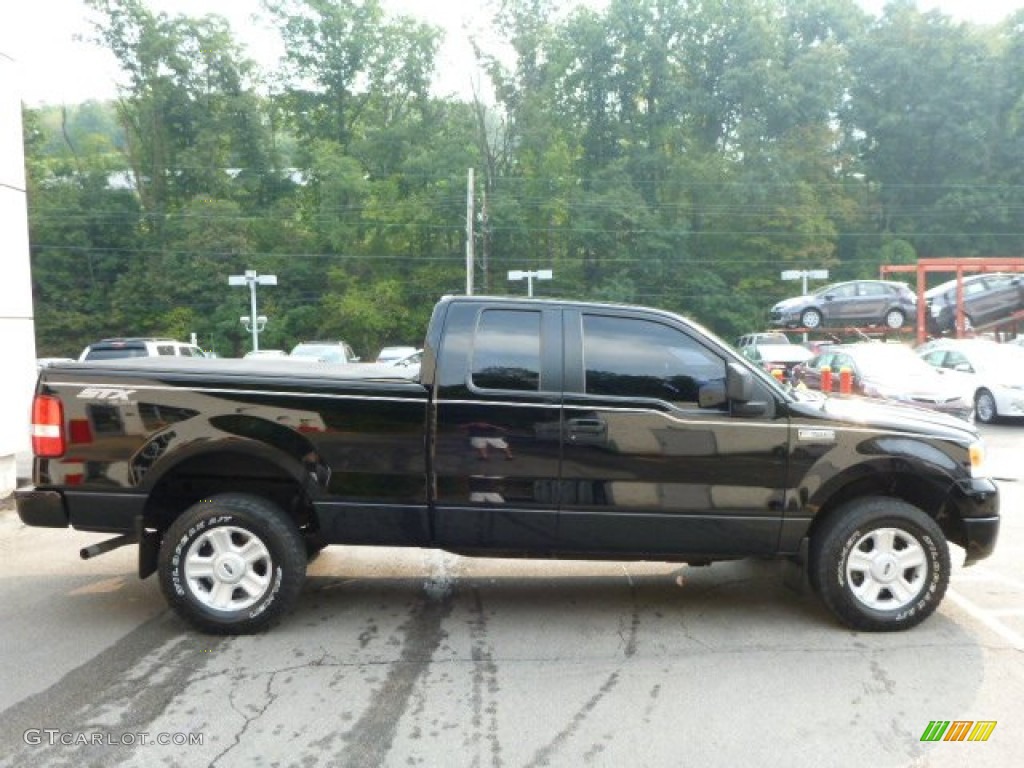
(251, 279)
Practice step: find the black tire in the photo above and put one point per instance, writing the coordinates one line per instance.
(985, 409)
(855, 564)
(895, 318)
(811, 318)
(232, 564)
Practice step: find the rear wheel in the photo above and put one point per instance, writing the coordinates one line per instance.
(985, 407)
(895, 318)
(232, 564)
(880, 564)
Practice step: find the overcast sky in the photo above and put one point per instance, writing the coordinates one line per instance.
(53, 67)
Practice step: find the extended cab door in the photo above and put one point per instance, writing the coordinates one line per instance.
(654, 462)
(498, 421)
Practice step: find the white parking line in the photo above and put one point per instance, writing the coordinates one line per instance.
(978, 573)
(987, 618)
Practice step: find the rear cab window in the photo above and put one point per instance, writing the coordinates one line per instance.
(506, 350)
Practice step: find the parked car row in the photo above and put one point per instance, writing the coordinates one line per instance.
(110, 349)
(890, 372)
(986, 298)
(966, 378)
(320, 351)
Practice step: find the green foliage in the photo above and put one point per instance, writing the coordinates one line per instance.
(663, 152)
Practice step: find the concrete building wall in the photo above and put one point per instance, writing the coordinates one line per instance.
(17, 330)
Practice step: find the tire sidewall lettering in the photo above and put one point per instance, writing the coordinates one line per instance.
(844, 556)
(270, 596)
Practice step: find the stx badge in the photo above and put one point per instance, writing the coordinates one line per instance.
(112, 394)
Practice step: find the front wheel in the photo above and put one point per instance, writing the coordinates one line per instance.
(232, 564)
(810, 318)
(985, 407)
(880, 564)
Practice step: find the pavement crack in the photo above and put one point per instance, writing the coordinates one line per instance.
(269, 698)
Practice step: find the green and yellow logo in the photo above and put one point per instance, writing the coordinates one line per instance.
(958, 730)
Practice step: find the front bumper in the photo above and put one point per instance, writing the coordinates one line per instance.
(978, 503)
(784, 318)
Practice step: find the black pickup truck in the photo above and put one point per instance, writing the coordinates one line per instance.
(539, 429)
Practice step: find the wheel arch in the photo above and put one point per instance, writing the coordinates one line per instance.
(241, 467)
(919, 489)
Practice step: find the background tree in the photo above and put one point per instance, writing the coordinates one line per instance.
(673, 153)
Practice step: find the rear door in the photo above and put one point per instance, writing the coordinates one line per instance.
(653, 461)
(872, 301)
(498, 422)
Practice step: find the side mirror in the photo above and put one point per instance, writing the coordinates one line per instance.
(739, 384)
(739, 388)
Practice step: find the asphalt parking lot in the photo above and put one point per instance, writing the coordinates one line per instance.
(412, 657)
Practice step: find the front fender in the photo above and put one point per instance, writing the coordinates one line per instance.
(885, 462)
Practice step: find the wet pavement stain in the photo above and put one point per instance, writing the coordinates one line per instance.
(483, 699)
(420, 637)
(544, 754)
(133, 681)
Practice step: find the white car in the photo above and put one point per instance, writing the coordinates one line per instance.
(265, 353)
(392, 354)
(991, 374)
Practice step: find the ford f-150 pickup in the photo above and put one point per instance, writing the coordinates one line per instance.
(534, 428)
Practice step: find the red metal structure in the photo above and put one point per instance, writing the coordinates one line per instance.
(958, 266)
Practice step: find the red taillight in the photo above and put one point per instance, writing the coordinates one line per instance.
(47, 427)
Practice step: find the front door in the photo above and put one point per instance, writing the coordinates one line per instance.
(653, 461)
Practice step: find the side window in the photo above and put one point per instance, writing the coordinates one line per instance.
(629, 357)
(935, 357)
(999, 282)
(847, 291)
(841, 361)
(165, 349)
(506, 350)
(954, 358)
(872, 289)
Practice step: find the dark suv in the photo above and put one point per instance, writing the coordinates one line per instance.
(987, 297)
(857, 302)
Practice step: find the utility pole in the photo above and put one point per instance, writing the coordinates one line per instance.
(485, 242)
(469, 233)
